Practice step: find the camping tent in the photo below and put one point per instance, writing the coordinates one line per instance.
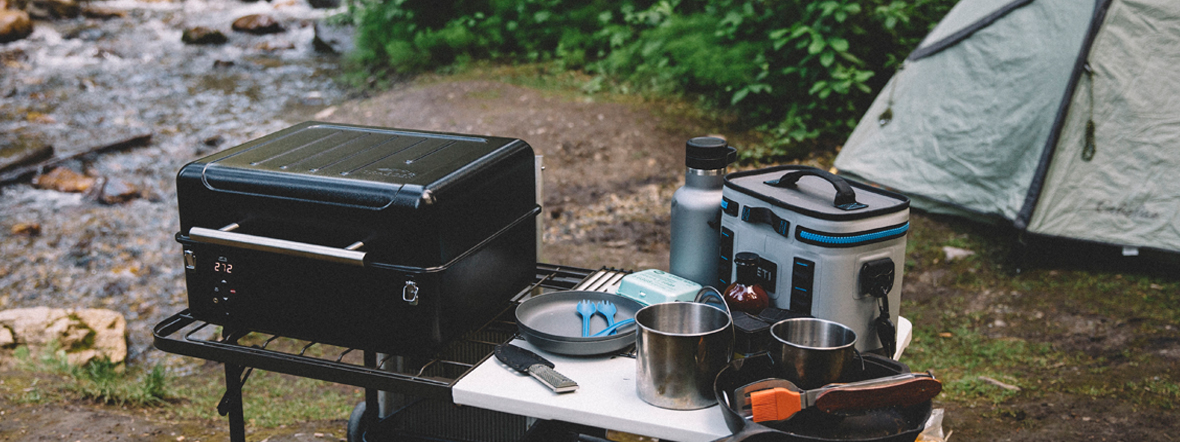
(1061, 117)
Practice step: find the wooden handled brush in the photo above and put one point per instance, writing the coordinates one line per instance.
(779, 399)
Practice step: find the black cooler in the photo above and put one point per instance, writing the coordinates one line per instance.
(381, 239)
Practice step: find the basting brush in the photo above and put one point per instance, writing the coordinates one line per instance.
(779, 399)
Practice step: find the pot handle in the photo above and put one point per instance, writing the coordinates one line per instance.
(845, 196)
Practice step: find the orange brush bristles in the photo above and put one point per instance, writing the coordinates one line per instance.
(775, 404)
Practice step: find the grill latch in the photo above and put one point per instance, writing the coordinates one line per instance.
(410, 292)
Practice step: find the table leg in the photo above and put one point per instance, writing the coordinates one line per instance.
(231, 403)
(372, 401)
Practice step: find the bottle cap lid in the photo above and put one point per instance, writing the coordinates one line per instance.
(746, 259)
(708, 153)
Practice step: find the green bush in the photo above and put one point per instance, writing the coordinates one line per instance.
(800, 70)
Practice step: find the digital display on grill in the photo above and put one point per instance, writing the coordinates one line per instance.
(222, 266)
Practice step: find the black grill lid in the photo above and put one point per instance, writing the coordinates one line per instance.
(344, 164)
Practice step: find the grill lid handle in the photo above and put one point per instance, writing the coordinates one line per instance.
(225, 237)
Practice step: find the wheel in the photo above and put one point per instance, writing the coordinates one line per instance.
(356, 430)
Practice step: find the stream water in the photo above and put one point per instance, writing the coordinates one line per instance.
(80, 83)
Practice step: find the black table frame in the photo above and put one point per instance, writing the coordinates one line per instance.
(177, 334)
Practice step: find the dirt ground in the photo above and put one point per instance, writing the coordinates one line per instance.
(610, 170)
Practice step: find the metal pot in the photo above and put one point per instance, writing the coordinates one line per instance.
(812, 352)
(680, 348)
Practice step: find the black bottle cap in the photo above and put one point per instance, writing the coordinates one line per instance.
(708, 153)
(746, 259)
(747, 268)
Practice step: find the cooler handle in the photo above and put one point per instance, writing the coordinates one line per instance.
(845, 196)
(767, 216)
(226, 237)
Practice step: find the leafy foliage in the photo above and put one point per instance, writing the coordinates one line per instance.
(801, 70)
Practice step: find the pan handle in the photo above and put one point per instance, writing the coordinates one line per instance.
(226, 237)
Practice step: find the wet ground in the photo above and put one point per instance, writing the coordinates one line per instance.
(611, 168)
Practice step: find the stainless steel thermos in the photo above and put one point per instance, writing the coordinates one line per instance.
(696, 210)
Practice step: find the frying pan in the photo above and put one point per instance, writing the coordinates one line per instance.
(551, 323)
(893, 424)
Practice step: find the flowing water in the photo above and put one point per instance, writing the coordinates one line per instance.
(81, 83)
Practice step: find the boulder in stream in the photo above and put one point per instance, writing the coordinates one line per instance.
(26, 229)
(258, 24)
(51, 9)
(200, 35)
(14, 25)
(272, 46)
(63, 179)
(101, 13)
(17, 151)
(117, 190)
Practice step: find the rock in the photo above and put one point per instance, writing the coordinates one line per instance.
(257, 24)
(333, 39)
(214, 141)
(49, 9)
(14, 25)
(953, 253)
(200, 35)
(85, 33)
(324, 4)
(324, 114)
(22, 151)
(63, 179)
(101, 13)
(222, 64)
(116, 190)
(271, 46)
(40, 118)
(7, 339)
(26, 229)
(84, 334)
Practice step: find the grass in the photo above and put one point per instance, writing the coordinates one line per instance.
(992, 319)
(99, 380)
(271, 400)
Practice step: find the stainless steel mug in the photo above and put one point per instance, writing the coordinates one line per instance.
(681, 346)
(811, 352)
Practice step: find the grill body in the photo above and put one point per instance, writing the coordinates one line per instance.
(383, 239)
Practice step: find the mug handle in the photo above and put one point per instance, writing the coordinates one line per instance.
(710, 292)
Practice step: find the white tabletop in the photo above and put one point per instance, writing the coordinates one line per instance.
(605, 398)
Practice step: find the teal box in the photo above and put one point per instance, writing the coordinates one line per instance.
(657, 286)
